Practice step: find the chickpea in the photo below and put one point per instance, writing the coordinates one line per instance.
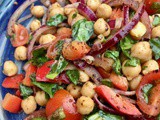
(46, 38)
(55, 5)
(20, 53)
(29, 105)
(138, 31)
(88, 89)
(104, 11)
(142, 51)
(41, 98)
(129, 71)
(10, 68)
(67, 11)
(93, 4)
(37, 11)
(85, 105)
(155, 32)
(74, 90)
(135, 82)
(149, 66)
(101, 27)
(58, 10)
(83, 77)
(77, 18)
(35, 24)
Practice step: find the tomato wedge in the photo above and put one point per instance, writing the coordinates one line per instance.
(116, 101)
(13, 82)
(103, 73)
(158, 62)
(21, 36)
(30, 70)
(11, 103)
(150, 3)
(152, 108)
(62, 98)
(119, 81)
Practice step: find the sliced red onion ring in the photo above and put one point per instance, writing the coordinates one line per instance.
(44, 19)
(125, 14)
(25, 67)
(112, 24)
(36, 34)
(105, 1)
(125, 93)
(82, 1)
(89, 70)
(24, 18)
(87, 12)
(17, 14)
(121, 33)
(46, 2)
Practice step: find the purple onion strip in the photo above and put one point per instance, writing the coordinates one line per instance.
(126, 14)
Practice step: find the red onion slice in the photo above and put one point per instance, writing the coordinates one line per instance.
(126, 14)
(112, 24)
(24, 18)
(89, 70)
(36, 34)
(87, 12)
(125, 93)
(121, 33)
(17, 14)
(82, 1)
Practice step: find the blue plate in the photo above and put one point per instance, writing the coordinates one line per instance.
(7, 8)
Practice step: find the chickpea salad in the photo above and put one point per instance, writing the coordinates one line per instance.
(85, 60)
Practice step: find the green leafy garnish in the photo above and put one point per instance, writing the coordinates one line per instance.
(39, 57)
(101, 115)
(49, 88)
(115, 56)
(39, 118)
(156, 20)
(132, 62)
(59, 47)
(107, 82)
(155, 45)
(82, 30)
(25, 91)
(57, 68)
(146, 90)
(58, 114)
(156, 6)
(158, 118)
(30, 37)
(73, 76)
(56, 19)
(74, 15)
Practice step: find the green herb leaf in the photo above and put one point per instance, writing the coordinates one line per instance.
(156, 20)
(158, 118)
(73, 76)
(112, 54)
(126, 45)
(58, 114)
(101, 115)
(155, 5)
(155, 45)
(39, 57)
(57, 68)
(146, 90)
(74, 15)
(59, 47)
(107, 82)
(49, 88)
(56, 19)
(117, 67)
(82, 30)
(25, 91)
(132, 62)
(39, 118)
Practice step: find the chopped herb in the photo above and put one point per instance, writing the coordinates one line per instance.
(74, 15)
(73, 76)
(107, 82)
(144, 67)
(25, 91)
(132, 62)
(49, 88)
(117, 67)
(155, 5)
(158, 118)
(56, 19)
(39, 118)
(59, 47)
(39, 57)
(57, 68)
(156, 20)
(58, 114)
(155, 45)
(82, 30)
(30, 37)
(146, 90)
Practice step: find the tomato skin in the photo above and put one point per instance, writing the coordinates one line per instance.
(148, 4)
(18, 93)
(103, 73)
(30, 70)
(21, 36)
(13, 82)
(158, 62)
(52, 1)
(116, 13)
(11, 103)
(151, 108)
(119, 81)
(66, 101)
(116, 101)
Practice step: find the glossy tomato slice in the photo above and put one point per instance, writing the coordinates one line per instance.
(103, 73)
(116, 101)
(21, 36)
(62, 98)
(150, 3)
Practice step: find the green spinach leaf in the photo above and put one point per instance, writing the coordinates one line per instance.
(73, 76)
(39, 57)
(156, 20)
(49, 88)
(132, 62)
(56, 19)
(107, 82)
(59, 47)
(155, 45)
(82, 30)
(156, 6)
(117, 67)
(25, 91)
(146, 90)
(57, 68)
